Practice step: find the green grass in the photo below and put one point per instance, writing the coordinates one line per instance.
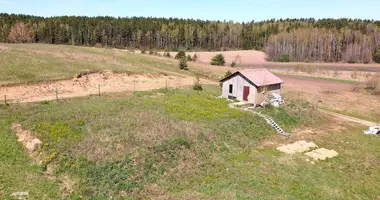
(17, 172)
(97, 139)
(30, 63)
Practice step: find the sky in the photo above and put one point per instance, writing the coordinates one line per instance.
(236, 10)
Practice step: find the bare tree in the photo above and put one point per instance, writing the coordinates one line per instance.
(20, 33)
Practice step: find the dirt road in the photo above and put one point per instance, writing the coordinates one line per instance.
(91, 84)
(348, 118)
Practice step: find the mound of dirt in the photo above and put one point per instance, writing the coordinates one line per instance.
(297, 147)
(321, 154)
(27, 138)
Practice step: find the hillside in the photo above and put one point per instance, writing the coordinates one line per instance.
(143, 140)
(301, 40)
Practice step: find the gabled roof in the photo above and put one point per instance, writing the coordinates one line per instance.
(258, 77)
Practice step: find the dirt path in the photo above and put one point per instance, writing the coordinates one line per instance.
(91, 84)
(348, 118)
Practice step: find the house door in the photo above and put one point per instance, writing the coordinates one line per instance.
(246, 93)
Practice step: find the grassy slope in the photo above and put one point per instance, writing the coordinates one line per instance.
(191, 145)
(39, 62)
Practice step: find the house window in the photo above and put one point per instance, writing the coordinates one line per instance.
(231, 88)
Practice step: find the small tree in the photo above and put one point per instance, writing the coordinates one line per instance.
(195, 58)
(218, 60)
(167, 54)
(143, 51)
(284, 58)
(180, 55)
(227, 74)
(189, 58)
(197, 84)
(376, 55)
(183, 64)
(151, 52)
(20, 33)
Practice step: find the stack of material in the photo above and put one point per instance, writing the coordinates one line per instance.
(373, 130)
(276, 100)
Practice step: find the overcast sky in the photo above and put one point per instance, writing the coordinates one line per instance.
(237, 10)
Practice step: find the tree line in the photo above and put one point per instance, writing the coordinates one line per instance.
(306, 39)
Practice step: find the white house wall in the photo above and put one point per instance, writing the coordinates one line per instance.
(238, 83)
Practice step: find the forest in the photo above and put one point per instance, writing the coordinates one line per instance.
(284, 40)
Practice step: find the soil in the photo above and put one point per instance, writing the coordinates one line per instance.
(27, 138)
(297, 147)
(89, 84)
(322, 154)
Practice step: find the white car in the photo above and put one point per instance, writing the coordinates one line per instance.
(373, 130)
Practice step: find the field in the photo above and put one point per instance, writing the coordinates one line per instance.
(174, 143)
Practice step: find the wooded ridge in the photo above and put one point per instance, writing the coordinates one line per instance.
(307, 40)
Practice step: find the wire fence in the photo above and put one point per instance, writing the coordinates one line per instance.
(10, 97)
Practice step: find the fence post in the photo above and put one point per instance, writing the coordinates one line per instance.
(56, 94)
(99, 89)
(5, 99)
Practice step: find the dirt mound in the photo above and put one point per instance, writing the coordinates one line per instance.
(321, 154)
(87, 84)
(297, 147)
(27, 138)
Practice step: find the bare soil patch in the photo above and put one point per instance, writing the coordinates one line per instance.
(90, 83)
(28, 140)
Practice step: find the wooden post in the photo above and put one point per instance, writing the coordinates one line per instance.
(5, 99)
(56, 94)
(166, 84)
(99, 89)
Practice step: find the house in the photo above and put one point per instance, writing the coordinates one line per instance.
(250, 85)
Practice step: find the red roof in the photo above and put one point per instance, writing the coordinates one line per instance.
(259, 76)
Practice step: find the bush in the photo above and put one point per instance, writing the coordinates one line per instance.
(143, 51)
(189, 58)
(183, 64)
(167, 54)
(151, 52)
(227, 74)
(195, 58)
(374, 82)
(233, 64)
(218, 60)
(197, 84)
(180, 55)
(284, 58)
(376, 55)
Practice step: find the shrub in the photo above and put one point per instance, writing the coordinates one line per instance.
(197, 84)
(195, 58)
(180, 55)
(284, 58)
(374, 82)
(233, 64)
(167, 54)
(227, 74)
(151, 52)
(376, 55)
(143, 51)
(183, 64)
(218, 60)
(189, 58)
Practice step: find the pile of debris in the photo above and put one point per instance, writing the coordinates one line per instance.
(373, 130)
(274, 100)
(306, 148)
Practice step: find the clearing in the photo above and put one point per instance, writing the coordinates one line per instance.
(173, 143)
